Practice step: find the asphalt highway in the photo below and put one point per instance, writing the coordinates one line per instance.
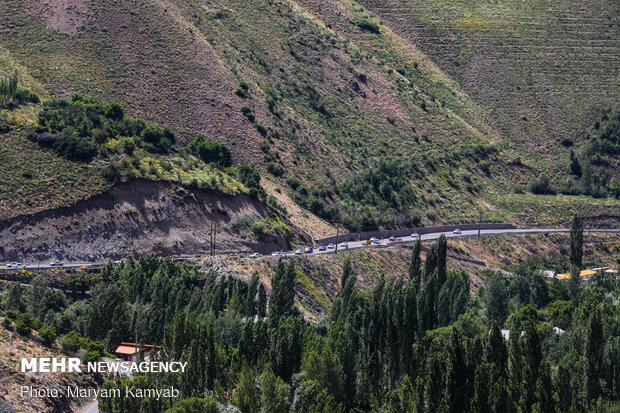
(351, 245)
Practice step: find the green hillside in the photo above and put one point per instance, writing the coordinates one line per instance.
(377, 114)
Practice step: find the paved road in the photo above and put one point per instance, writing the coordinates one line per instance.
(47, 266)
(353, 245)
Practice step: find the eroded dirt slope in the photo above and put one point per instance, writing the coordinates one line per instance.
(137, 217)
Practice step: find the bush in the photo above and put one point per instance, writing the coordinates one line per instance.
(275, 169)
(258, 228)
(247, 111)
(25, 96)
(249, 175)
(114, 111)
(70, 343)
(293, 183)
(90, 357)
(128, 145)
(159, 139)
(541, 186)
(485, 167)
(48, 335)
(75, 147)
(211, 151)
(23, 324)
(111, 172)
(368, 26)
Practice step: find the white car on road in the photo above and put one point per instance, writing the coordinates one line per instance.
(56, 263)
(456, 231)
(255, 255)
(415, 235)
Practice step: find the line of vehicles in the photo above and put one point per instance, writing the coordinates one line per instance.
(342, 245)
(56, 263)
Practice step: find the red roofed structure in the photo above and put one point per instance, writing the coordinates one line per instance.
(129, 351)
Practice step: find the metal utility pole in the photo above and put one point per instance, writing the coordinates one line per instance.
(337, 234)
(212, 238)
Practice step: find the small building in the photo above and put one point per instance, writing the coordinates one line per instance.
(129, 351)
(548, 275)
(586, 274)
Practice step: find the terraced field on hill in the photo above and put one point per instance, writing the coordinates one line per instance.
(540, 70)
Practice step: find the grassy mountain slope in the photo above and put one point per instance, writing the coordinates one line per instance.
(318, 92)
(541, 70)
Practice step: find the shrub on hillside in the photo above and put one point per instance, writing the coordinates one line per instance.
(211, 151)
(541, 186)
(48, 335)
(12, 96)
(23, 324)
(368, 26)
(79, 127)
(70, 342)
(75, 147)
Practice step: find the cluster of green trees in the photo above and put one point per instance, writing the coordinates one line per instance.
(415, 343)
(78, 128)
(595, 172)
(382, 197)
(46, 311)
(211, 151)
(11, 95)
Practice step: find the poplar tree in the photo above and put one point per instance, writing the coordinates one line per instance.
(261, 304)
(593, 353)
(250, 301)
(576, 242)
(14, 297)
(574, 285)
(531, 361)
(246, 398)
(211, 357)
(545, 402)
(38, 290)
(495, 350)
(415, 265)
(282, 301)
(275, 393)
(345, 300)
(563, 390)
(456, 375)
(442, 246)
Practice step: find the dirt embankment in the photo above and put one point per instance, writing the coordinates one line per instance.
(138, 217)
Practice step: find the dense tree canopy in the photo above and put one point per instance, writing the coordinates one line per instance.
(415, 342)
